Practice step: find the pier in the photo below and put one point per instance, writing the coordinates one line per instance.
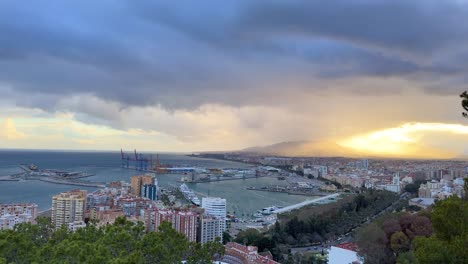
(223, 178)
(73, 182)
(52, 176)
(13, 177)
(288, 190)
(304, 203)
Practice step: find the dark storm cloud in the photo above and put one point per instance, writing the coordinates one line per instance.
(419, 27)
(228, 52)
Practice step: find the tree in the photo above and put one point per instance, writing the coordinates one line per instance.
(448, 244)
(450, 218)
(406, 220)
(372, 242)
(421, 226)
(406, 258)
(391, 226)
(226, 237)
(465, 188)
(414, 187)
(464, 103)
(16, 247)
(431, 250)
(122, 242)
(249, 237)
(399, 242)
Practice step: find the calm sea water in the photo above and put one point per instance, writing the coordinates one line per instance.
(106, 167)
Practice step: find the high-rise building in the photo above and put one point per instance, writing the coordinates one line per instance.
(149, 191)
(210, 228)
(12, 214)
(362, 164)
(138, 181)
(216, 207)
(184, 222)
(68, 207)
(365, 164)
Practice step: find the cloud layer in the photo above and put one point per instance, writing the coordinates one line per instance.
(246, 72)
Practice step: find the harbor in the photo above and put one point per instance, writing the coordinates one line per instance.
(32, 172)
(106, 168)
(193, 174)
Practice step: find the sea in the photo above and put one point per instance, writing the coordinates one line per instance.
(106, 167)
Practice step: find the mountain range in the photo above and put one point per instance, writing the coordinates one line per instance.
(305, 149)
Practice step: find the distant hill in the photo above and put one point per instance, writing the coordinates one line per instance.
(329, 148)
(305, 148)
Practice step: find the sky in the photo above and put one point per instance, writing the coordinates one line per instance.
(379, 77)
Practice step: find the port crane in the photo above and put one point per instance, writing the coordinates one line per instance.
(139, 161)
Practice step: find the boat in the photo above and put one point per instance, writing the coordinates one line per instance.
(269, 210)
(189, 194)
(258, 214)
(184, 179)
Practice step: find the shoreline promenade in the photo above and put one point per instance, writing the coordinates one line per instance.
(304, 203)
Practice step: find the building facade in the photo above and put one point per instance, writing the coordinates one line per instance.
(239, 254)
(210, 228)
(138, 181)
(395, 185)
(184, 222)
(216, 207)
(12, 214)
(68, 207)
(149, 191)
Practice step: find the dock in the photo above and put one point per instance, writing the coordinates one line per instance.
(304, 203)
(32, 172)
(73, 182)
(220, 179)
(13, 177)
(284, 189)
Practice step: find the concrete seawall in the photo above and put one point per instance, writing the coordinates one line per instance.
(304, 203)
(70, 182)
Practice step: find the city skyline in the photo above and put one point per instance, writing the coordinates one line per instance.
(382, 80)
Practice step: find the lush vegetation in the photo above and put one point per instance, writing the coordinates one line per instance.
(122, 242)
(414, 187)
(440, 236)
(318, 225)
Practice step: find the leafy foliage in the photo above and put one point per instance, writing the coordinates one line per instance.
(450, 239)
(122, 242)
(302, 228)
(414, 187)
(440, 236)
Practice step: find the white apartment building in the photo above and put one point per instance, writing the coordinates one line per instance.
(216, 207)
(73, 226)
(12, 214)
(68, 207)
(210, 228)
